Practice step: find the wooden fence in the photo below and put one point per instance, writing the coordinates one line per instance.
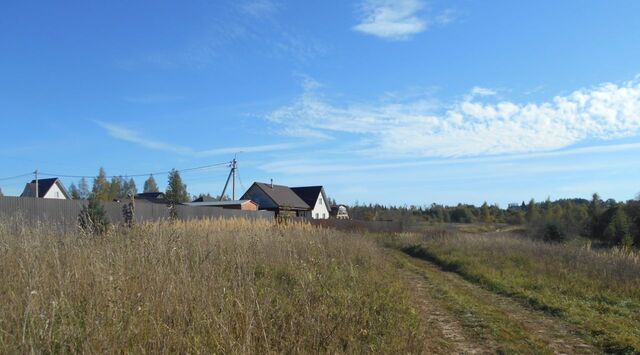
(63, 214)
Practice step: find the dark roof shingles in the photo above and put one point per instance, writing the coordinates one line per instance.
(283, 196)
(309, 194)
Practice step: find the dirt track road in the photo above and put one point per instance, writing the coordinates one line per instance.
(463, 318)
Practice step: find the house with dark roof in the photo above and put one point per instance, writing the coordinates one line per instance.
(315, 197)
(277, 198)
(152, 197)
(46, 188)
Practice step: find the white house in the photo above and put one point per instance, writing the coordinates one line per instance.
(47, 188)
(315, 197)
(339, 212)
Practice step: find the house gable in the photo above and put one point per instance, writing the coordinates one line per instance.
(47, 188)
(320, 209)
(56, 192)
(315, 197)
(256, 194)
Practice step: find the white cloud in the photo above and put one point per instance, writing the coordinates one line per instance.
(315, 166)
(473, 126)
(391, 19)
(128, 135)
(246, 149)
(131, 136)
(480, 91)
(447, 16)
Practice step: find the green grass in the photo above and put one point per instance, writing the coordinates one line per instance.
(599, 291)
(225, 286)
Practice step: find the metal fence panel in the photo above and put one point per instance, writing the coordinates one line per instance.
(63, 214)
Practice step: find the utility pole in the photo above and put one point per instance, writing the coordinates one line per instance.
(37, 189)
(232, 174)
(234, 166)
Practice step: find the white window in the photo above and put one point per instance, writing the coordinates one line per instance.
(323, 216)
(320, 200)
(317, 215)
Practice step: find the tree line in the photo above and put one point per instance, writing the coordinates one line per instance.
(120, 188)
(606, 222)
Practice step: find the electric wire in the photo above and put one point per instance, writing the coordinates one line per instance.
(135, 175)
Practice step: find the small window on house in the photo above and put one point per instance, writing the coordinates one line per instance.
(320, 201)
(323, 216)
(317, 214)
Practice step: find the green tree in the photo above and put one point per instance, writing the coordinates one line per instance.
(619, 229)
(115, 188)
(594, 211)
(73, 190)
(553, 232)
(131, 188)
(485, 213)
(150, 185)
(83, 189)
(176, 189)
(532, 211)
(101, 187)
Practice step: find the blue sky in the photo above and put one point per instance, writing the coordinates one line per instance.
(398, 102)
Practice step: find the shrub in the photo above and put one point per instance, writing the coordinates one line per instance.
(618, 230)
(553, 232)
(93, 218)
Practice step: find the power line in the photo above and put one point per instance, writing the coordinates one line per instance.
(138, 175)
(15, 177)
(240, 179)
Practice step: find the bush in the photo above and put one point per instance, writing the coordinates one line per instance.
(93, 218)
(618, 230)
(553, 232)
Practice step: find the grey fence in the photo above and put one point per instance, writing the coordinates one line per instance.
(63, 214)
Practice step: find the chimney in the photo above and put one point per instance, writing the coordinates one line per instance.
(272, 183)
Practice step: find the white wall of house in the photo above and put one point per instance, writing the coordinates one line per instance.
(55, 193)
(320, 210)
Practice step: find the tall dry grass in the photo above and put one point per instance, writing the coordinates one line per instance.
(597, 289)
(223, 286)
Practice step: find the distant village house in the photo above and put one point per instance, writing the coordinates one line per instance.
(46, 188)
(306, 201)
(315, 197)
(339, 212)
(277, 198)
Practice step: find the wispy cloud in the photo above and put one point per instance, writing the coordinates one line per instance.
(260, 9)
(391, 19)
(245, 149)
(310, 167)
(252, 27)
(447, 16)
(473, 126)
(131, 136)
(480, 91)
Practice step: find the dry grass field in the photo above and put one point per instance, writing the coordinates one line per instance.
(224, 286)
